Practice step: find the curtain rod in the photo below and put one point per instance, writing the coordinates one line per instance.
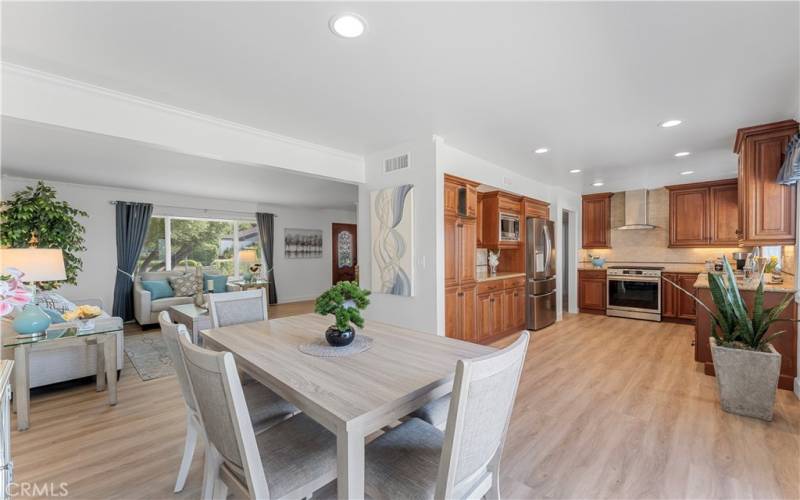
(206, 210)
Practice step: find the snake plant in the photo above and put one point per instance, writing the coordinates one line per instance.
(734, 325)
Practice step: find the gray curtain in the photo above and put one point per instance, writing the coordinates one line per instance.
(266, 231)
(132, 222)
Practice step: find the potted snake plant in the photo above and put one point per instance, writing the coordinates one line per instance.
(746, 364)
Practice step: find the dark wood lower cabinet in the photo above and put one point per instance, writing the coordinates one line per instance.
(675, 304)
(500, 313)
(459, 313)
(785, 344)
(592, 291)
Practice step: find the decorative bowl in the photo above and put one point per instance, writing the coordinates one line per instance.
(339, 338)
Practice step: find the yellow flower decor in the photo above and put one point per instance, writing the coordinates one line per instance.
(83, 312)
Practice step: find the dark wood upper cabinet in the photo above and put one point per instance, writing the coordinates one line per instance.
(596, 220)
(703, 214)
(766, 208)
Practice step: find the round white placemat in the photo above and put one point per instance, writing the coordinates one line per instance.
(322, 349)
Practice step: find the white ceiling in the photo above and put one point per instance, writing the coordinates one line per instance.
(588, 80)
(35, 150)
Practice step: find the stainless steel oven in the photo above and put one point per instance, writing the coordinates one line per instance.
(634, 292)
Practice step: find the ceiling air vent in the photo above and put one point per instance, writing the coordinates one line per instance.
(396, 163)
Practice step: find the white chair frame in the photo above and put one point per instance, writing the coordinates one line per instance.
(216, 298)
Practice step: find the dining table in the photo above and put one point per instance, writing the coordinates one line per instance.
(352, 396)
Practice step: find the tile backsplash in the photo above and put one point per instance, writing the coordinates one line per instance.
(652, 245)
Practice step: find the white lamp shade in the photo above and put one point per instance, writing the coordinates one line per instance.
(38, 264)
(248, 256)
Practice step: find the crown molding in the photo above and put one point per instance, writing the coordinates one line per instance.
(27, 91)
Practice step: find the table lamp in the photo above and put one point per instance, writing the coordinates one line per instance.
(37, 264)
(248, 257)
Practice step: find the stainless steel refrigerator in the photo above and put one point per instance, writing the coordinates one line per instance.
(540, 268)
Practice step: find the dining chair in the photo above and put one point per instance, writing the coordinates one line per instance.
(233, 308)
(266, 408)
(417, 460)
(289, 460)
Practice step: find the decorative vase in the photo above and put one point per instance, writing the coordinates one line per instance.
(493, 270)
(86, 324)
(339, 338)
(31, 321)
(746, 380)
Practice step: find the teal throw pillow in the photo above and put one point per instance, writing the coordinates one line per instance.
(220, 282)
(159, 289)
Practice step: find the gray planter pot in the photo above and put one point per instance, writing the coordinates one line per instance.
(747, 380)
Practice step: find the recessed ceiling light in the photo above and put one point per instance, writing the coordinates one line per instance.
(597, 183)
(687, 172)
(541, 151)
(670, 123)
(348, 25)
(682, 154)
(575, 171)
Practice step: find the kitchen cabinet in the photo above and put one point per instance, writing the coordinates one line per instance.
(460, 313)
(459, 248)
(596, 220)
(592, 291)
(766, 208)
(676, 305)
(535, 208)
(500, 308)
(785, 344)
(703, 214)
(494, 204)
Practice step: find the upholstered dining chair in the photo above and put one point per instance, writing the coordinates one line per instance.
(266, 408)
(417, 460)
(233, 308)
(290, 460)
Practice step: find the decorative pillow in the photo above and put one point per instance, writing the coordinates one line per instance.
(184, 285)
(159, 289)
(54, 301)
(55, 317)
(220, 282)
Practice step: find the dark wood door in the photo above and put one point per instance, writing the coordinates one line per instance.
(466, 241)
(724, 217)
(685, 304)
(771, 205)
(451, 313)
(507, 309)
(519, 307)
(466, 314)
(451, 248)
(497, 312)
(596, 220)
(484, 316)
(669, 307)
(592, 294)
(688, 217)
(345, 252)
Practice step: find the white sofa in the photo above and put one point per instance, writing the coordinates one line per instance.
(145, 309)
(50, 366)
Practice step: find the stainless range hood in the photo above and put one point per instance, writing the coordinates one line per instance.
(636, 210)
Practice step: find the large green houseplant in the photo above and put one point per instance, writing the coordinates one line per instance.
(746, 364)
(36, 210)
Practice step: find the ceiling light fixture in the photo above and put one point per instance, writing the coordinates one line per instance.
(670, 123)
(682, 154)
(687, 172)
(348, 25)
(575, 171)
(541, 151)
(597, 183)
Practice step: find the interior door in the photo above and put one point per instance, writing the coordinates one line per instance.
(345, 252)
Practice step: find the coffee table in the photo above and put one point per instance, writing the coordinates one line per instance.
(192, 317)
(60, 336)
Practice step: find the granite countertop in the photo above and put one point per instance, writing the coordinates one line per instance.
(788, 285)
(669, 267)
(499, 276)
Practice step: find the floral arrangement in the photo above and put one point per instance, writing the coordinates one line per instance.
(12, 292)
(82, 312)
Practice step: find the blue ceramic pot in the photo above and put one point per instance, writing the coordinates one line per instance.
(598, 261)
(339, 338)
(31, 320)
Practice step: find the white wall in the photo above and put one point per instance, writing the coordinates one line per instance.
(295, 279)
(417, 312)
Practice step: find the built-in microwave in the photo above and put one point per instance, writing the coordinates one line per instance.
(509, 227)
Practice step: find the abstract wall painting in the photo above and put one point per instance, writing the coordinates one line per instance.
(302, 243)
(392, 229)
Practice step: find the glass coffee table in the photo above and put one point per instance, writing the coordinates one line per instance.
(60, 336)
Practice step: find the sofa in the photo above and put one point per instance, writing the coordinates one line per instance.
(50, 366)
(145, 309)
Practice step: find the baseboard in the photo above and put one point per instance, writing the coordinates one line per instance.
(295, 299)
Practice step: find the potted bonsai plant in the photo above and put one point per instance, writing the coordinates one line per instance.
(746, 364)
(345, 300)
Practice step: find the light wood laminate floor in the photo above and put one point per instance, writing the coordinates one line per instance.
(607, 408)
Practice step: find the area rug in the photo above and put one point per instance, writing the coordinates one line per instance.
(149, 356)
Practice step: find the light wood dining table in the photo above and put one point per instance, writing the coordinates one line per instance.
(351, 396)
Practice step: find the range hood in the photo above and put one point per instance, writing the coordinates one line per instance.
(636, 210)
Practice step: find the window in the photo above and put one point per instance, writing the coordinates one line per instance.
(227, 246)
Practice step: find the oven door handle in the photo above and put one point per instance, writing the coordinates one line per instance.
(641, 280)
